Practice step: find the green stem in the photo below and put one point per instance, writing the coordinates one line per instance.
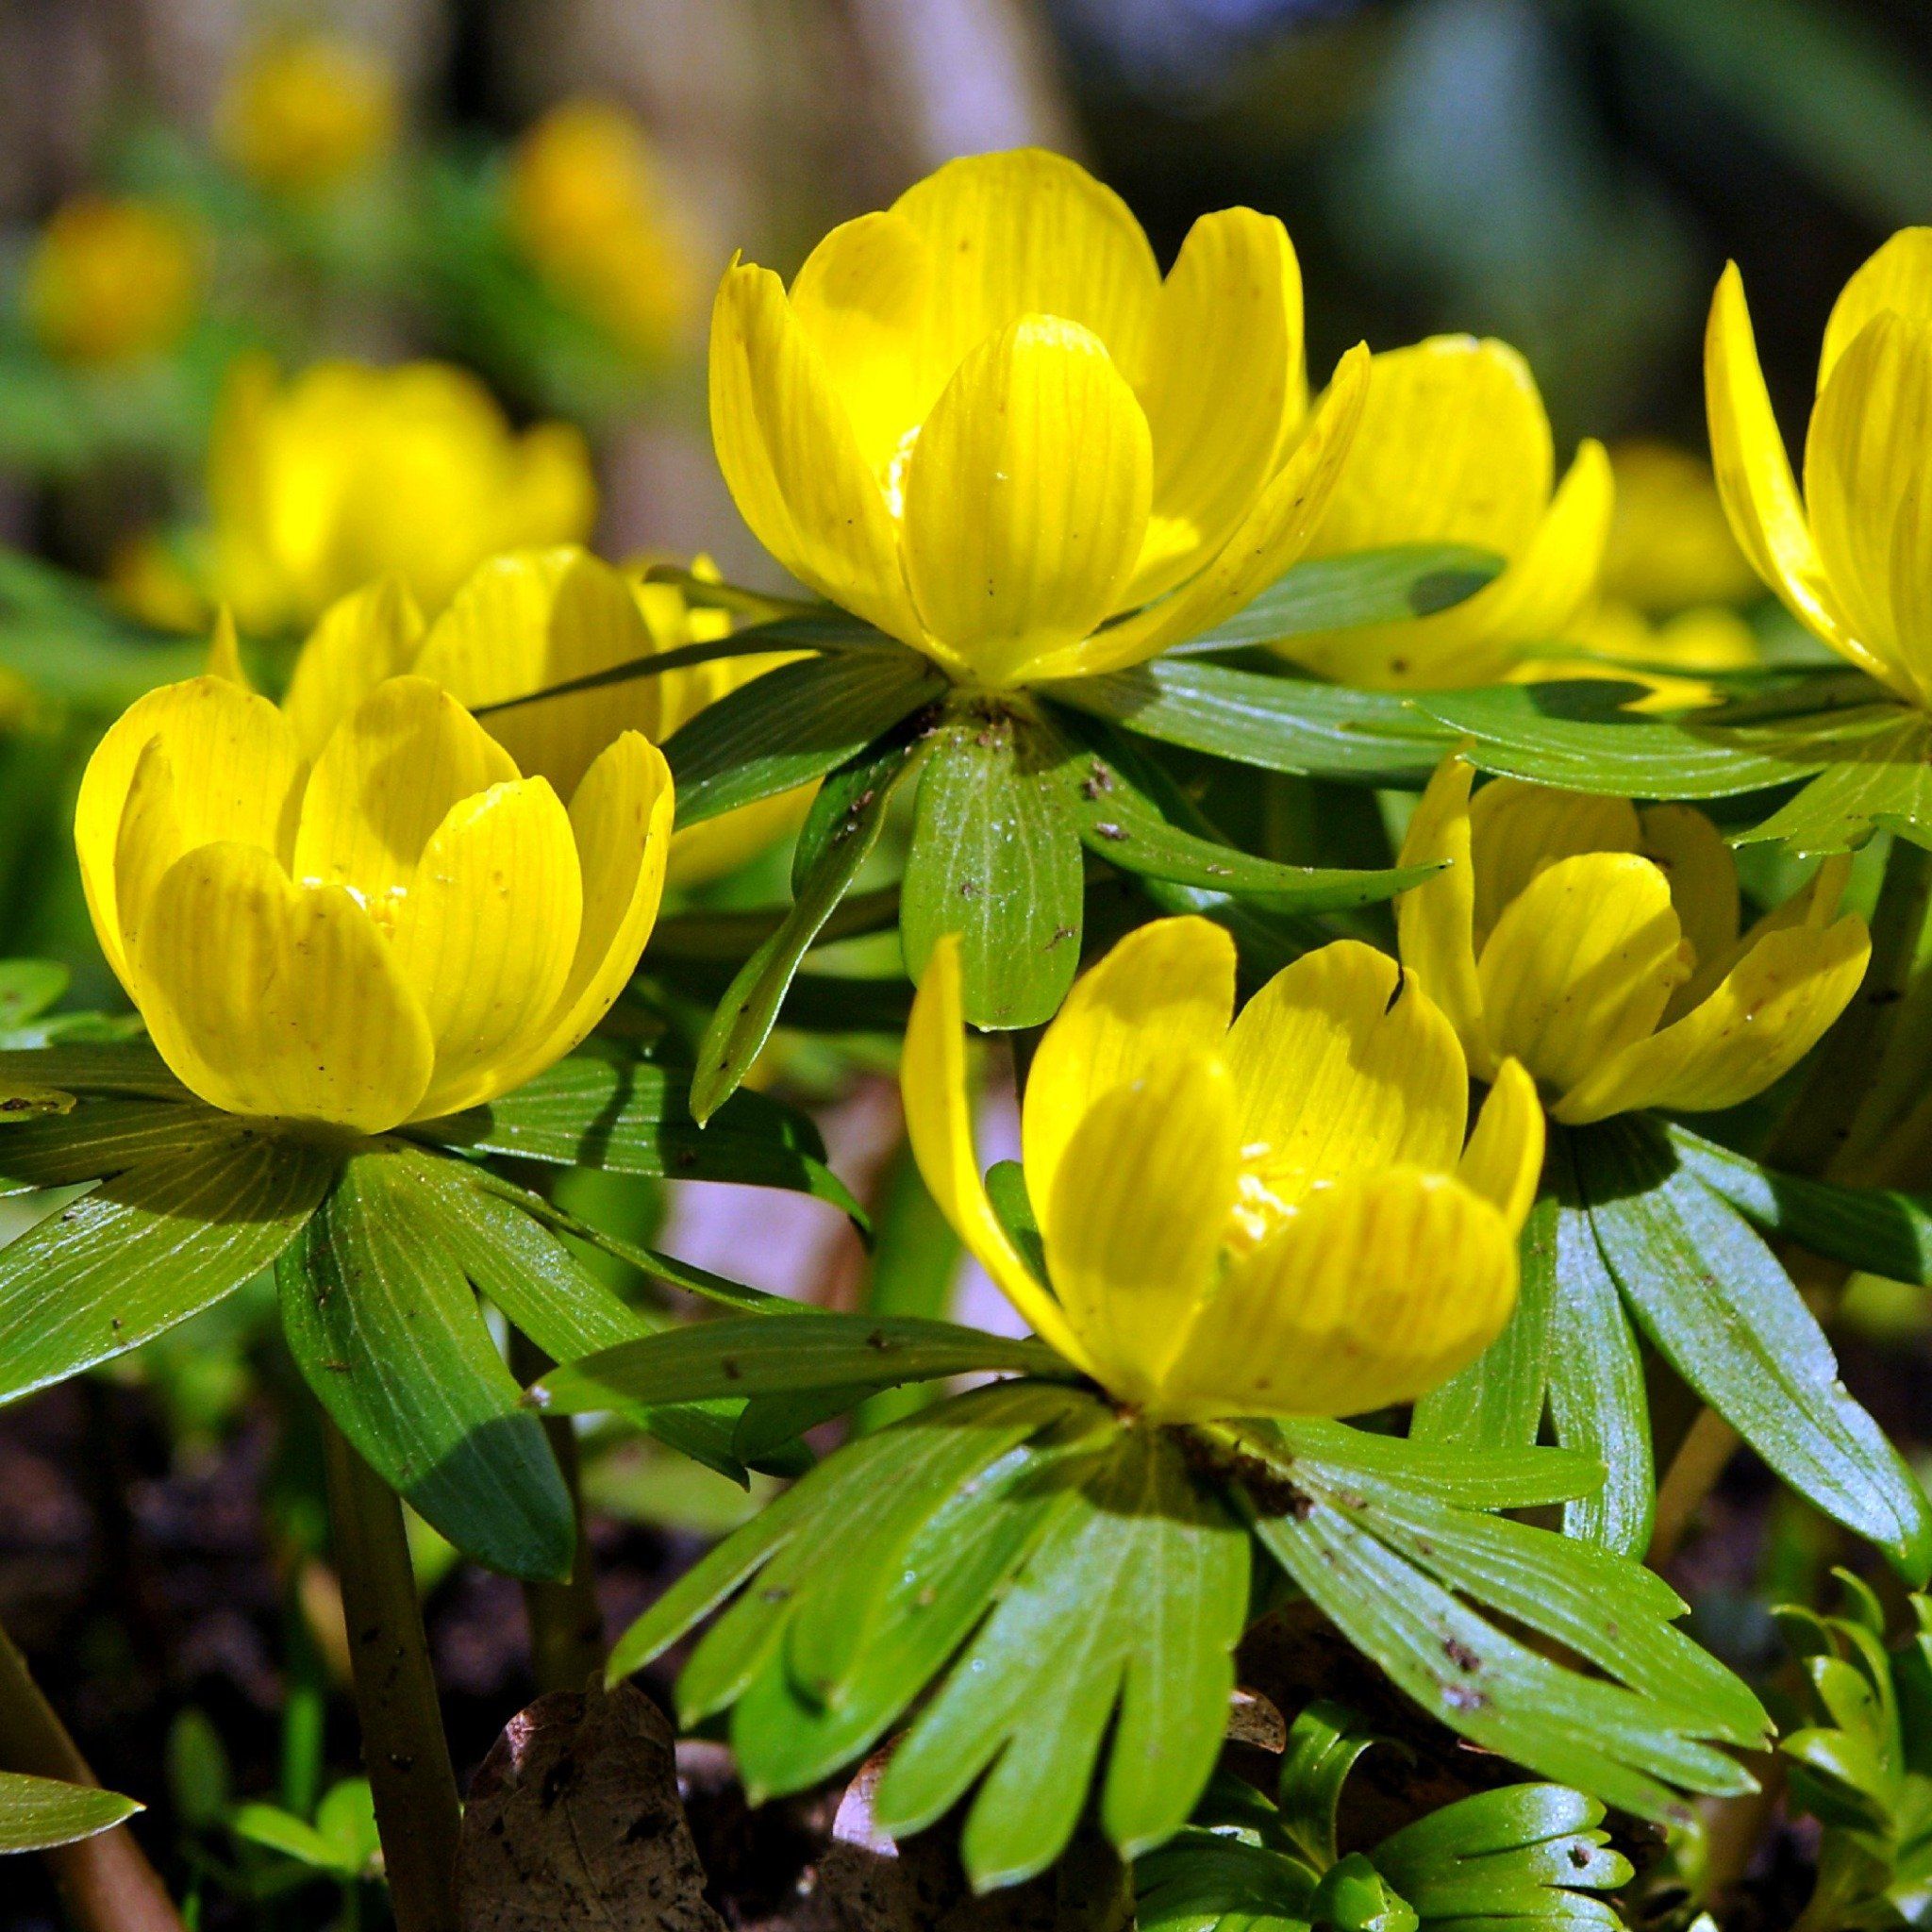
(566, 1623)
(404, 1749)
(106, 1881)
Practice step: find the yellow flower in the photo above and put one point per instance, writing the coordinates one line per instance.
(525, 621)
(1667, 657)
(111, 279)
(403, 927)
(302, 116)
(1671, 546)
(1274, 1217)
(1852, 559)
(1454, 447)
(321, 484)
(983, 422)
(1598, 944)
(586, 204)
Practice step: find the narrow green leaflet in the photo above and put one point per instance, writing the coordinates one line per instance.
(388, 1337)
(1210, 1881)
(1281, 724)
(129, 1067)
(1386, 585)
(995, 859)
(37, 1813)
(1716, 1304)
(1881, 780)
(794, 723)
(190, 1205)
(839, 832)
(1324, 1745)
(599, 1109)
(915, 1260)
(761, 1356)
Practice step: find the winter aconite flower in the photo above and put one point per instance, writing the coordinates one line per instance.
(322, 483)
(982, 421)
(1454, 447)
(1852, 557)
(1276, 1216)
(1598, 944)
(303, 115)
(111, 279)
(526, 620)
(1671, 546)
(400, 929)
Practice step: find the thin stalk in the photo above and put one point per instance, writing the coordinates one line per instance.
(404, 1749)
(106, 1881)
(566, 1622)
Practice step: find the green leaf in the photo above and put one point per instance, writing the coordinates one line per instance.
(759, 1355)
(1719, 1309)
(1882, 780)
(37, 1813)
(1324, 1745)
(1205, 1881)
(190, 1204)
(839, 832)
(27, 988)
(1281, 724)
(995, 858)
(129, 1067)
(915, 1260)
(1134, 1596)
(388, 1334)
(794, 723)
(628, 1116)
(276, 1831)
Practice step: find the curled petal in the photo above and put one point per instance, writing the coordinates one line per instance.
(1504, 1159)
(1435, 922)
(1898, 277)
(1518, 832)
(361, 640)
(1692, 855)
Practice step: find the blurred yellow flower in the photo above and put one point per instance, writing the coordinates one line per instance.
(1454, 447)
(403, 927)
(1671, 546)
(1277, 1216)
(304, 115)
(982, 421)
(586, 202)
(1666, 656)
(1598, 944)
(344, 472)
(525, 621)
(1852, 559)
(111, 279)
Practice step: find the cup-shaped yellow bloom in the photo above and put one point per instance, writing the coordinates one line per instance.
(1598, 944)
(403, 927)
(522, 622)
(587, 203)
(345, 473)
(1671, 546)
(304, 115)
(1454, 447)
(111, 279)
(1276, 1216)
(1852, 559)
(982, 421)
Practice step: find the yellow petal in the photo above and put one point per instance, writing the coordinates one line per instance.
(1165, 990)
(1344, 1064)
(1224, 386)
(793, 460)
(939, 1124)
(1581, 963)
(1268, 540)
(1815, 903)
(1027, 498)
(225, 651)
(1702, 875)
(385, 781)
(149, 842)
(621, 821)
(487, 931)
(361, 640)
(1753, 477)
(1374, 1291)
(279, 1000)
(1867, 463)
(1435, 922)
(1029, 233)
(1897, 277)
(1134, 1222)
(1768, 1014)
(1518, 832)
(1504, 1160)
(237, 774)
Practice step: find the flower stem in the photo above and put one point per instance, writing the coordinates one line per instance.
(404, 1749)
(106, 1881)
(566, 1622)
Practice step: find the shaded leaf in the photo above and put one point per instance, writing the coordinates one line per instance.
(37, 1813)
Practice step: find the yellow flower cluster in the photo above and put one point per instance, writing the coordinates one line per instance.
(303, 115)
